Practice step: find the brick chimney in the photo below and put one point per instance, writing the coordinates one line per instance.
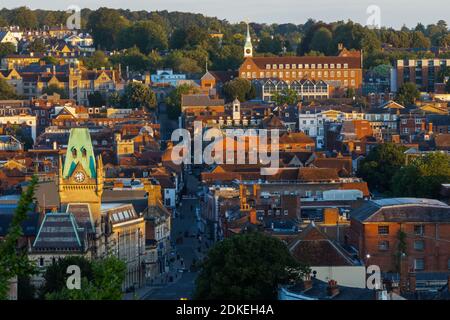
(332, 289)
(307, 283)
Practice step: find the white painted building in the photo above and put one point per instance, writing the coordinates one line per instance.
(312, 121)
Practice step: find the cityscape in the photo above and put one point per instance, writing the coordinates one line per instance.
(173, 155)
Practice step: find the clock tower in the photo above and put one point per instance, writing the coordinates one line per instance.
(81, 177)
(248, 47)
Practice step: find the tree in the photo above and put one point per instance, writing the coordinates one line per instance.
(37, 46)
(423, 177)
(96, 99)
(133, 58)
(24, 18)
(103, 281)
(138, 95)
(285, 96)
(6, 91)
(50, 60)
(114, 99)
(322, 40)
(146, 35)
(178, 61)
(380, 165)
(13, 260)
(173, 100)
(248, 266)
(418, 40)
(239, 88)
(6, 49)
(53, 88)
(23, 135)
(407, 94)
(106, 25)
(97, 60)
(55, 275)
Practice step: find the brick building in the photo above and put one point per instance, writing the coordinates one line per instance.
(413, 231)
(422, 72)
(343, 71)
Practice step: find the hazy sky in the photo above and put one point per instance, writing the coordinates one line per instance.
(393, 12)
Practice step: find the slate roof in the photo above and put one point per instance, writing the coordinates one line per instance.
(312, 247)
(442, 141)
(319, 292)
(82, 215)
(59, 232)
(295, 137)
(189, 100)
(402, 210)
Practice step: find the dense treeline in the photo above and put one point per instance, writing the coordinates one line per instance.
(149, 40)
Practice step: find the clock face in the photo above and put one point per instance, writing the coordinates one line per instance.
(79, 177)
(248, 50)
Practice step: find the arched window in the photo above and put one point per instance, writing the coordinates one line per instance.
(74, 152)
(83, 152)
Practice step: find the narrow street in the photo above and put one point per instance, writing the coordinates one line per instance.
(184, 227)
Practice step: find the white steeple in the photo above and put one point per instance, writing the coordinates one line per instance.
(248, 48)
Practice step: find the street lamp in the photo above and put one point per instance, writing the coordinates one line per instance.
(367, 258)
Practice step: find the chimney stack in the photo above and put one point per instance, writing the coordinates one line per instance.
(332, 289)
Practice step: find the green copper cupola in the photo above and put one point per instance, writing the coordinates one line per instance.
(79, 151)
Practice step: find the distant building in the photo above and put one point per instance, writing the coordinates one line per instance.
(10, 143)
(422, 72)
(305, 89)
(8, 37)
(166, 77)
(342, 72)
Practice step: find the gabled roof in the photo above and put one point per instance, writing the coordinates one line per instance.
(392, 105)
(313, 248)
(295, 137)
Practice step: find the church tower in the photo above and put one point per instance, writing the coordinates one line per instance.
(248, 48)
(81, 177)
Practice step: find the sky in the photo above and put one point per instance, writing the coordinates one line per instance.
(393, 13)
